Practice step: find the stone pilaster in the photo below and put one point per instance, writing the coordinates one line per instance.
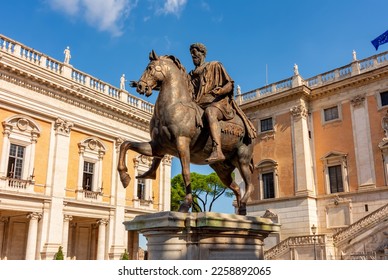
(59, 166)
(116, 227)
(362, 143)
(304, 180)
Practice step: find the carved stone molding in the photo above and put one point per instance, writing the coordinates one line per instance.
(102, 222)
(67, 218)
(299, 111)
(63, 127)
(357, 101)
(24, 125)
(167, 159)
(71, 95)
(34, 216)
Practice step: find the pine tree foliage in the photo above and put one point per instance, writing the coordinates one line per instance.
(206, 189)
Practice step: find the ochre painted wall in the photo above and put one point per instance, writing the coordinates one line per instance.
(334, 137)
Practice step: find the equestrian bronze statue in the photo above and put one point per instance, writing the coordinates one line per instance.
(180, 127)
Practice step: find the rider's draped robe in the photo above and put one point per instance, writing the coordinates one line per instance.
(209, 76)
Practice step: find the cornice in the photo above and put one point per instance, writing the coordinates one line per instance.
(301, 92)
(49, 84)
(349, 83)
(310, 94)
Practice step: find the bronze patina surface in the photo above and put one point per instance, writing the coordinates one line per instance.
(197, 120)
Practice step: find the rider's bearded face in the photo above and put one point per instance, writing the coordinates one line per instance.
(197, 56)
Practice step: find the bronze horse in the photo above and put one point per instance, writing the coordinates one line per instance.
(178, 128)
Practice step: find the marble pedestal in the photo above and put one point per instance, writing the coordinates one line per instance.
(203, 236)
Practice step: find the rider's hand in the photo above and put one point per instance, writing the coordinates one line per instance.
(217, 91)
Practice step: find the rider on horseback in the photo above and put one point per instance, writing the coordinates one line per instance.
(213, 91)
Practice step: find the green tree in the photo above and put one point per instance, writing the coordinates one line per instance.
(206, 189)
(59, 254)
(125, 255)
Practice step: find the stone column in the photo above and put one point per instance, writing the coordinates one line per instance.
(65, 234)
(101, 239)
(363, 143)
(58, 185)
(304, 179)
(165, 183)
(3, 222)
(32, 235)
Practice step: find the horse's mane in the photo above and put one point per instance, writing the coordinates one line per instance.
(182, 69)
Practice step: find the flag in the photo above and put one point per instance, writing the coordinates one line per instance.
(382, 39)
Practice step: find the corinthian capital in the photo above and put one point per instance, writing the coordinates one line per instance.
(63, 127)
(299, 111)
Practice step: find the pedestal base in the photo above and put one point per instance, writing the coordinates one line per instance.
(203, 236)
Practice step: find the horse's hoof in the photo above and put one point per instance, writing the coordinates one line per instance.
(125, 179)
(184, 207)
(242, 211)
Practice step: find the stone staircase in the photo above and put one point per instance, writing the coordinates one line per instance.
(341, 239)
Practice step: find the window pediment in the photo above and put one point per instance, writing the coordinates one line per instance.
(92, 145)
(23, 126)
(334, 154)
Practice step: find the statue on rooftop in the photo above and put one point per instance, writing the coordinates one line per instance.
(67, 55)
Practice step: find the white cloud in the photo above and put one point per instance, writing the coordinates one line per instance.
(105, 15)
(173, 7)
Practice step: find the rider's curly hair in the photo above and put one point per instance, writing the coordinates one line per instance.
(199, 46)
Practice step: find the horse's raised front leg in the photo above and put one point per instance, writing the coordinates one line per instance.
(143, 148)
(151, 173)
(183, 144)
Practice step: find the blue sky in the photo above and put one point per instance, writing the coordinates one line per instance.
(108, 38)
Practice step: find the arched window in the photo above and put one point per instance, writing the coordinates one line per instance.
(20, 134)
(91, 152)
(268, 178)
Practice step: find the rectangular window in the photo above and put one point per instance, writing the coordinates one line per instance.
(87, 181)
(331, 113)
(141, 189)
(335, 179)
(15, 161)
(268, 185)
(384, 98)
(266, 125)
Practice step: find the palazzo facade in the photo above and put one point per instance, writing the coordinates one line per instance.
(61, 130)
(321, 161)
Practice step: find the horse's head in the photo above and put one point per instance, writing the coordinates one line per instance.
(152, 76)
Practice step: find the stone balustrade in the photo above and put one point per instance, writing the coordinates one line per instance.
(355, 68)
(292, 242)
(373, 218)
(80, 78)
